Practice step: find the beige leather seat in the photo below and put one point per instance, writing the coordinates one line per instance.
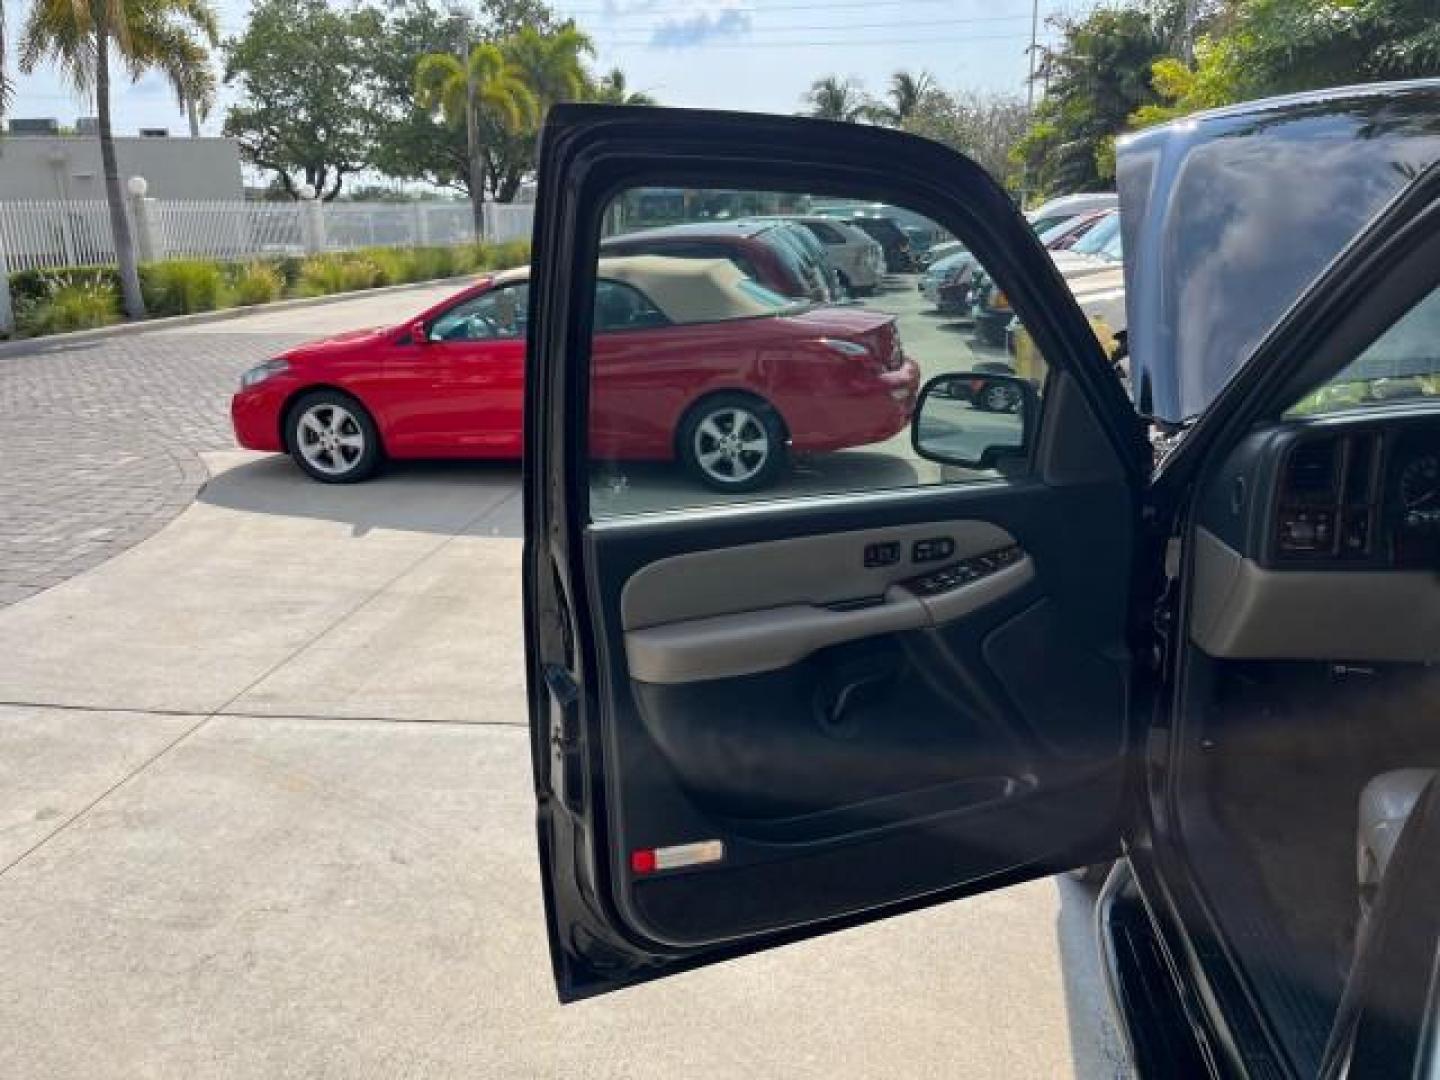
(1385, 804)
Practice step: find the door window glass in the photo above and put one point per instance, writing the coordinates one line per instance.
(496, 315)
(622, 307)
(738, 393)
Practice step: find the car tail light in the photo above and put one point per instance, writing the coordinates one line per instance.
(863, 353)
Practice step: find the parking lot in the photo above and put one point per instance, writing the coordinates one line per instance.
(265, 803)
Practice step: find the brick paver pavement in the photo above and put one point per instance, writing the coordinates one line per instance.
(99, 443)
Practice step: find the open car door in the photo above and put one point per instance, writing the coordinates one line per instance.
(807, 647)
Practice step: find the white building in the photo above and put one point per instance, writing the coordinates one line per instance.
(34, 165)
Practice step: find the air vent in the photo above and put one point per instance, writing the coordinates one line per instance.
(1311, 471)
(1360, 470)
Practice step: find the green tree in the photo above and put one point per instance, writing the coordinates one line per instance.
(411, 142)
(553, 62)
(1215, 79)
(6, 87)
(82, 38)
(835, 98)
(904, 97)
(612, 89)
(484, 83)
(307, 109)
(985, 127)
(1253, 48)
(193, 80)
(1097, 78)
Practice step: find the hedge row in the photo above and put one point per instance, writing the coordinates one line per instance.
(50, 301)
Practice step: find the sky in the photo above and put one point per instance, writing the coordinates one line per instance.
(757, 55)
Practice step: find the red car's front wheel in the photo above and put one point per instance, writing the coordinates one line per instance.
(332, 437)
(733, 442)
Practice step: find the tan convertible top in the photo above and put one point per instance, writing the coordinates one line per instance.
(686, 290)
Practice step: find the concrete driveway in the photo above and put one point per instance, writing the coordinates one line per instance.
(265, 811)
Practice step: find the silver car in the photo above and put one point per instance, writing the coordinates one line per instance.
(858, 260)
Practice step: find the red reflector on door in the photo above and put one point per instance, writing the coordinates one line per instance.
(643, 862)
(649, 860)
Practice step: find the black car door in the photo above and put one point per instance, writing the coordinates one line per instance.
(899, 674)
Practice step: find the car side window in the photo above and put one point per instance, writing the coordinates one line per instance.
(623, 307)
(1401, 366)
(744, 394)
(498, 314)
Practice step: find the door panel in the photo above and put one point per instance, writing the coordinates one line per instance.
(760, 717)
(806, 752)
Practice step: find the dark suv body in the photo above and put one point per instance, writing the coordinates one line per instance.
(1198, 631)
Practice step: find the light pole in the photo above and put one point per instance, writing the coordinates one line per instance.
(1030, 94)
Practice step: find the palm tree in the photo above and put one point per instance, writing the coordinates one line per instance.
(552, 63)
(5, 85)
(834, 98)
(612, 90)
(193, 80)
(486, 82)
(80, 37)
(907, 92)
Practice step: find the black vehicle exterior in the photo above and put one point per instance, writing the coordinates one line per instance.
(1186, 254)
(1184, 997)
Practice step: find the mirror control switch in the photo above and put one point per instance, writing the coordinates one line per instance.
(933, 550)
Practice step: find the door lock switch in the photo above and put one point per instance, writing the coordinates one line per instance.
(886, 554)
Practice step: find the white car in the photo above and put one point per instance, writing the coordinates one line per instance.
(858, 259)
(1053, 212)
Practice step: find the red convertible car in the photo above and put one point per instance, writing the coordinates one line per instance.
(693, 361)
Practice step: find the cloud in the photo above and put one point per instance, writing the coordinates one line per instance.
(699, 28)
(627, 7)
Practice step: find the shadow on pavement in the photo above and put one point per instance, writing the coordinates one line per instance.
(474, 498)
(1094, 1040)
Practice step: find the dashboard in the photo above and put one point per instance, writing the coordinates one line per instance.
(1319, 538)
(1340, 492)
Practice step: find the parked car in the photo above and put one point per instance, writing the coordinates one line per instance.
(694, 361)
(814, 254)
(1068, 207)
(858, 260)
(1100, 251)
(899, 259)
(949, 283)
(935, 252)
(903, 216)
(1055, 233)
(760, 249)
(756, 724)
(1070, 231)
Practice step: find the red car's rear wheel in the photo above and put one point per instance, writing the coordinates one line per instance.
(732, 442)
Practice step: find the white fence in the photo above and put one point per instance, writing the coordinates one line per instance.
(37, 234)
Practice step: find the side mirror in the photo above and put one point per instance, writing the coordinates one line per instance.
(974, 419)
(419, 332)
